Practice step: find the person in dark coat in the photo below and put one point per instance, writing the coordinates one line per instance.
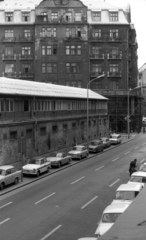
(133, 166)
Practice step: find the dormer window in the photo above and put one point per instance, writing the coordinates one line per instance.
(25, 17)
(44, 15)
(54, 16)
(96, 16)
(9, 17)
(113, 17)
(78, 17)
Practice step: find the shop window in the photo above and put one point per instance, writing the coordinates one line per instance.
(13, 135)
(54, 128)
(42, 131)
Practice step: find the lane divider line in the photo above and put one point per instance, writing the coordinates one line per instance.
(4, 221)
(136, 147)
(127, 153)
(5, 205)
(89, 202)
(144, 143)
(114, 182)
(99, 168)
(45, 198)
(77, 180)
(115, 159)
(50, 233)
(142, 160)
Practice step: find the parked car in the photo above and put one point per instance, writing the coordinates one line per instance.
(58, 159)
(88, 238)
(115, 138)
(96, 146)
(35, 166)
(106, 142)
(127, 193)
(142, 167)
(79, 151)
(109, 217)
(138, 177)
(8, 175)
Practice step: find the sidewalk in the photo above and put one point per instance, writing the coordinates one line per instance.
(29, 180)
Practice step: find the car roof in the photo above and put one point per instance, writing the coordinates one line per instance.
(139, 174)
(37, 158)
(116, 208)
(6, 167)
(79, 146)
(129, 187)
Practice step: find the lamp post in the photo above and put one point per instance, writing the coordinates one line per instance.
(88, 86)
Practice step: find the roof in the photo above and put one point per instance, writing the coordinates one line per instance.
(139, 174)
(6, 167)
(19, 5)
(129, 187)
(116, 208)
(28, 88)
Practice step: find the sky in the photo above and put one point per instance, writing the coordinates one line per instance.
(138, 18)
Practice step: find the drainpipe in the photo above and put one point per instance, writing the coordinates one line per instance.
(35, 125)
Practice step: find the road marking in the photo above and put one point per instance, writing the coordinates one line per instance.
(89, 202)
(5, 205)
(144, 143)
(99, 168)
(77, 180)
(127, 153)
(115, 159)
(45, 198)
(114, 182)
(50, 233)
(4, 221)
(136, 147)
(142, 160)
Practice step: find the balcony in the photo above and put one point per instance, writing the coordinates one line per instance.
(114, 39)
(8, 57)
(24, 75)
(114, 74)
(26, 57)
(97, 39)
(96, 74)
(9, 39)
(23, 38)
(97, 56)
(9, 75)
(73, 38)
(114, 56)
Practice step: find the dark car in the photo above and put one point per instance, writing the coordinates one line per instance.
(96, 146)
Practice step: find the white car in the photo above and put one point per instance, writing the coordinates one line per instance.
(138, 177)
(142, 167)
(109, 217)
(88, 238)
(115, 138)
(8, 175)
(79, 152)
(36, 166)
(58, 159)
(127, 193)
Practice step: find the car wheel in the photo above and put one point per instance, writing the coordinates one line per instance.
(16, 181)
(38, 173)
(59, 164)
(2, 185)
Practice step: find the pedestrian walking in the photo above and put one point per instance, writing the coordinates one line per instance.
(133, 166)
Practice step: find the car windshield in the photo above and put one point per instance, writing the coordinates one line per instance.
(125, 195)
(110, 217)
(93, 143)
(53, 155)
(136, 179)
(2, 172)
(77, 148)
(34, 161)
(143, 168)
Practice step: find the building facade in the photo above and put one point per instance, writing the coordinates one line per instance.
(37, 118)
(67, 43)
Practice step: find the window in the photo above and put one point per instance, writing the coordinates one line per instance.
(9, 51)
(25, 17)
(73, 125)
(9, 105)
(68, 17)
(54, 67)
(26, 68)
(54, 16)
(26, 51)
(43, 50)
(27, 33)
(114, 68)
(67, 50)
(73, 32)
(28, 133)
(49, 67)
(9, 17)
(9, 34)
(2, 105)
(79, 68)
(42, 131)
(13, 135)
(96, 50)
(82, 124)
(79, 32)
(114, 17)
(67, 67)
(54, 128)
(43, 33)
(114, 50)
(26, 105)
(49, 50)
(43, 68)
(67, 32)
(97, 33)
(9, 68)
(96, 16)
(73, 50)
(78, 17)
(54, 49)
(79, 50)
(73, 68)
(49, 32)
(114, 33)
(64, 127)
(114, 85)
(54, 32)
(96, 68)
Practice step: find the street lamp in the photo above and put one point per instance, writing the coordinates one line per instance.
(88, 86)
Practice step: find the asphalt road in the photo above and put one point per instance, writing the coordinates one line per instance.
(68, 204)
